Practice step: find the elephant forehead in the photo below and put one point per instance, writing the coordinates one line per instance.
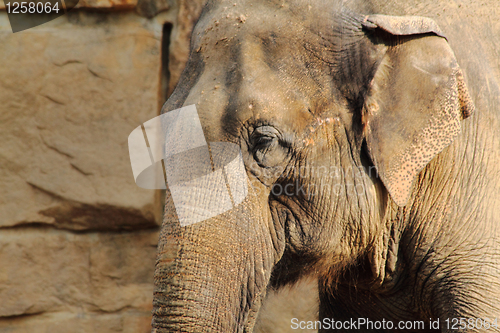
(223, 29)
(258, 65)
(249, 89)
(226, 23)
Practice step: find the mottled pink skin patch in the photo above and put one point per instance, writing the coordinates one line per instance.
(315, 125)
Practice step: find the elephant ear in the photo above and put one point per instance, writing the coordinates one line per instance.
(415, 100)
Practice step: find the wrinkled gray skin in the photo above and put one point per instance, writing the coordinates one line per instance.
(413, 233)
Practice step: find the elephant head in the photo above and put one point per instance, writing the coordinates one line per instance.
(335, 113)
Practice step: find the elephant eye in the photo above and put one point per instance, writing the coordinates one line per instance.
(263, 137)
(268, 145)
(263, 142)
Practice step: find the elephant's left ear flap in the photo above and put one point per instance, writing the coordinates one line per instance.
(415, 101)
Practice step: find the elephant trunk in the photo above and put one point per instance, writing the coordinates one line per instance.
(211, 276)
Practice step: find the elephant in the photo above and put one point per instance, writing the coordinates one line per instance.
(370, 138)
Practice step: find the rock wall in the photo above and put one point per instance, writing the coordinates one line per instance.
(77, 236)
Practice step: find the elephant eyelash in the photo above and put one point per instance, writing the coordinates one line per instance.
(264, 136)
(263, 142)
(267, 139)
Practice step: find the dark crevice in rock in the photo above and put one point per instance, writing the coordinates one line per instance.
(78, 217)
(165, 59)
(46, 226)
(21, 316)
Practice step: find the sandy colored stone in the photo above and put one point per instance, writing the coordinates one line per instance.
(44, 270)
(151, 8)
(71, 91)
(126, 321)
(280, 307)
(107, 4)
